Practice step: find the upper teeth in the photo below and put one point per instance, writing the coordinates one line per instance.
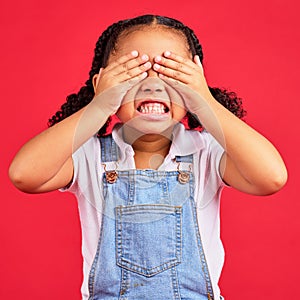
(156, 108)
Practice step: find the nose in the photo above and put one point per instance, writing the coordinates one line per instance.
(152, 85)
(152, 73)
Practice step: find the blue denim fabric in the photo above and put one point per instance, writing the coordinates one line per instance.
(149, 246)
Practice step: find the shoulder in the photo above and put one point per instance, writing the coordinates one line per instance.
(192, 141)
(86, 160)
(207, 151)
(90, 146)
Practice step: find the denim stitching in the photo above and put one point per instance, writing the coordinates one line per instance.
(125, 284)
(175, 284)
(91, 281)
(148, 272)
(131, 198)
(186, 159)
(201, 250)
(109, 150)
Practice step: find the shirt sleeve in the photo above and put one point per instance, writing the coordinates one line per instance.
(85, 162)
(210, 182)
(214, 153)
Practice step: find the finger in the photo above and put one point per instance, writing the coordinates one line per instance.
(109, 79)
(180, 59)
(131, 87)
(135, 80)
(123, 59)
(172, 82)
(127, 62)
(183, 65)
(171, 73)
(174, 95)
(180, 87)
(127, 67)
(190, 65)
(141, 61)
(198, 62)
(134, 72)
(124, 86)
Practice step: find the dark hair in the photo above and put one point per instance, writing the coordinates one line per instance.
(107, 43)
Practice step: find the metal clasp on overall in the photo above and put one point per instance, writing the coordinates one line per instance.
(112, 175)
(183, 176)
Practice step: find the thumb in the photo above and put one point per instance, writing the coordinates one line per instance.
(198, 62)
(96, 79)
(188, 96)
(180, 87)
(135, 80)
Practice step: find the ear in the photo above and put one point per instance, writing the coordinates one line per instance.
(95, 80)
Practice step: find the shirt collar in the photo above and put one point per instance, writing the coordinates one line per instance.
(117, 135)
(184, 142)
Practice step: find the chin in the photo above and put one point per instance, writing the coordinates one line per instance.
(142, 127)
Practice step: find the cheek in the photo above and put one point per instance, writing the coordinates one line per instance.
(178, 112)
(126, 112)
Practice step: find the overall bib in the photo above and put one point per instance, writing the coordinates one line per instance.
(149, 245)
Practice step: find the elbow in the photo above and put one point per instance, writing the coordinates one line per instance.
(280, 181)
(275, 183)
(19, 179)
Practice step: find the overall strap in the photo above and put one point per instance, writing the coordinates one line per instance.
(183, 174)
(184, 159)
(109, 149)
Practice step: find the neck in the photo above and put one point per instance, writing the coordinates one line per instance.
(150, 149)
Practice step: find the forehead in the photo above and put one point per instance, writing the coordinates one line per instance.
(152, 41)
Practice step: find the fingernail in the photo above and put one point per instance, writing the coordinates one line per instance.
(156, 66)
(157, 58)
(145, 57)
(134, 53)
(147, 64)
(167, 53)
(144, 75)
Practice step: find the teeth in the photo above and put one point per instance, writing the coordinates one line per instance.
(152, 108)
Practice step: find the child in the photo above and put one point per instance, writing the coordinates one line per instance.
(148, 194)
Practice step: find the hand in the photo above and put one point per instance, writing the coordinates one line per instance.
(113, 82)
(186, 77)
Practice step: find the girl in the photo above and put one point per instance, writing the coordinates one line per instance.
(148, 194)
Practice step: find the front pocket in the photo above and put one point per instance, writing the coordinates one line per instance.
(148, 238)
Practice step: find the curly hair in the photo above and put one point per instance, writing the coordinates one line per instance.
(107, 43)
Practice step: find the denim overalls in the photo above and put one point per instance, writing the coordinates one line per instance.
(149, 245)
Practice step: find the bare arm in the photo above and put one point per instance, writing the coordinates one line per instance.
(251, 163)
(45, 162)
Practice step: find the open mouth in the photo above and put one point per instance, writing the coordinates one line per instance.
(153, 107)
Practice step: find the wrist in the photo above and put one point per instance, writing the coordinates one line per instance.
(100, 106)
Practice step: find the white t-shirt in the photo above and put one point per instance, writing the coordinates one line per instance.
(87, 187)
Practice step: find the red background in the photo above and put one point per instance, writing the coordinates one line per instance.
(46, 51)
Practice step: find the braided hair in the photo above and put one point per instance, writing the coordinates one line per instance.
(106, 44)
